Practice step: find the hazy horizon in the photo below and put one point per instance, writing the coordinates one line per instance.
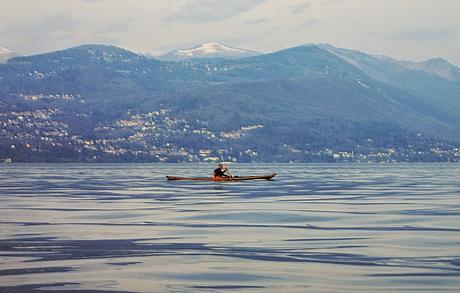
(407, 30)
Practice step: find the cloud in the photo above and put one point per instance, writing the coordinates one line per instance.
(49, 26)
(257, 21)
(202, 11)
(331, 2)
(37, 35)
(307, 24)
(421, 34)
(298, 9)
(310, 22)
(117, 26)
(46, 25)
(253, 37)
(92, 1)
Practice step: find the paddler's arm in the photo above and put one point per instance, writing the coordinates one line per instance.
(228, 172)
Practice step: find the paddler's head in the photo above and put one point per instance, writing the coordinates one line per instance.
(220, 166)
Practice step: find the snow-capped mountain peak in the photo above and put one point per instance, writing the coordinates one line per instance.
(209, 50)
(4, 51)
(6, 54)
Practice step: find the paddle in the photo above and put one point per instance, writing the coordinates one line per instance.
(226, 168)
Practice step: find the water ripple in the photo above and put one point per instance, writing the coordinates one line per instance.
(319, 228)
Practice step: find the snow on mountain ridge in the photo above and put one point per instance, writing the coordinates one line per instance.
(4, 51)
(209, 50)
(6, 54)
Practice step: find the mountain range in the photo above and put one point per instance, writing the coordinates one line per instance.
(314, 102)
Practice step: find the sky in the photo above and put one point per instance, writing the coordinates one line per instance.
(404, 29)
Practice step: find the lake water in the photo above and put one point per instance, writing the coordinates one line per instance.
(315, 228)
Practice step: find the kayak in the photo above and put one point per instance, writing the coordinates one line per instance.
(234, 178)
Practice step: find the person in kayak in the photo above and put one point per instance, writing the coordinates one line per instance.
(221, 173)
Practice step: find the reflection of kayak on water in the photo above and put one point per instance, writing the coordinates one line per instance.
(217, 178)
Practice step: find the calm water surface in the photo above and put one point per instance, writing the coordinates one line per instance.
(315, 228)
